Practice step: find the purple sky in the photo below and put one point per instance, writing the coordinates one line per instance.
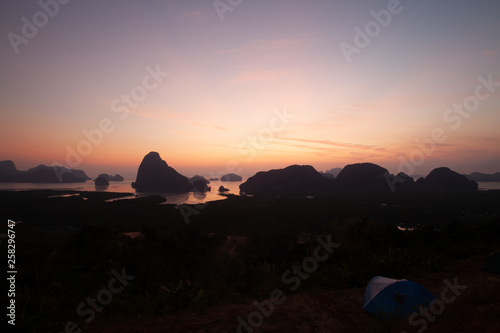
(374, 97)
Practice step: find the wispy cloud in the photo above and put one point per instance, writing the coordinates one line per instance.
(336, 144)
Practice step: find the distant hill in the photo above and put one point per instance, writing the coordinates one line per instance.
(327, 175)
(195, 178)
(154, 175)
(101, 181)
(109, 178)
(7, 168)
(231, 177)
(445, 179)
(40, 174)
(362, 176)
(483, 177)
(359, 177)
(77, 173)
(334, 172)
(294, 178)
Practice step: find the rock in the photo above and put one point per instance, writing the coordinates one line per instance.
(223, 189)
(214, 179)
(193, 179)
(231, 177)
(154, 175)
(200, 185)
(109, 178)
(363, 177)
(101, 181)
(295, 178)
(445, 179)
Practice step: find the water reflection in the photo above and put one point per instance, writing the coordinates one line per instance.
(125, 187)
(101, 188)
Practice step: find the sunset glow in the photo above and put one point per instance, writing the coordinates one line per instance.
(267, 87)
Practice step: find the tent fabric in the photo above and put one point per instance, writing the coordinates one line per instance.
(395, 299)
(375, 286)
(492, 263)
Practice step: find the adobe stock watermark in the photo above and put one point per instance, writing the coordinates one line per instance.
(425, 316)
(372, 29)
(223, 6)
(454, 116)
(103, 297)
(121, 106)
(292, 277)
(281, 119)
(30, 28)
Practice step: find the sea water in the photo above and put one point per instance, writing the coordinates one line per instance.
(126, 187)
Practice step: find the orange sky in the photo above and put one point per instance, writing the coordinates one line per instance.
(172, 77)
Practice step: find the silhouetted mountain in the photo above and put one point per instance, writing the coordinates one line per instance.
(335, 171)
(101, 181)
(193, 179)
(214, 179)
(154, 175)
(7, 168)
(362, 176)
(405, 177)
(231, 177)
(445, 179)
(483, 177)
(403, 182)
(109, 178)
(295, 178)
(327, 175)
(46, 174)
(61, 170)
(200, 185)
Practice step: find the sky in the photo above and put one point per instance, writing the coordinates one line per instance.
(248, 85)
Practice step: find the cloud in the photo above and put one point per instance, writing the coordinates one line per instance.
(336, 144)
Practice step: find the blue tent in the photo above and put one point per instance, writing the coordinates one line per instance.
(395, 299)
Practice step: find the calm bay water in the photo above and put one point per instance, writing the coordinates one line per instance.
(125, 187)
(172, 198)
(489, 185)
